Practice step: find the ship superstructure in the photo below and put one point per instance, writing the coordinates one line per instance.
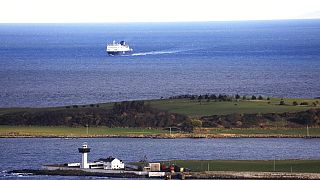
(121, 48)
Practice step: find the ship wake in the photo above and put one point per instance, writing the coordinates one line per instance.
(158, 52)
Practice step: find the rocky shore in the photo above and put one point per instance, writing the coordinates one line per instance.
(185, 175)
(161, 136)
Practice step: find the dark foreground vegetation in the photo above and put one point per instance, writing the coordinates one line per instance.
(124, 114)
(186, 113)
(303, 166)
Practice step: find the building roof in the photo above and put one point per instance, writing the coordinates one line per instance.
(109, 159)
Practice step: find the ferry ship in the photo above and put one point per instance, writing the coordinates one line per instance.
(118, 48)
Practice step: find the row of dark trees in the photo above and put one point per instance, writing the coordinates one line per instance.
(124, 114)
(219, 97)
(310, 117)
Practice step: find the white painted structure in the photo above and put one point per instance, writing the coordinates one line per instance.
(112, 163)
(74, 164)
(109, 163)
(84, 151)
(118, 48)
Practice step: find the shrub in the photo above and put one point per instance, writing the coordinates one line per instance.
(304, 103)
(282, 102)
(294, 103)
(196, 123)
(237, 96)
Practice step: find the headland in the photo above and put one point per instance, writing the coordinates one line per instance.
(185, 116)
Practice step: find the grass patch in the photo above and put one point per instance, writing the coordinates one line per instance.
(197, 109)
(35, 110)
(64, 131)
(193, 108)
(73, 131)
(253, 131)
(310, 166)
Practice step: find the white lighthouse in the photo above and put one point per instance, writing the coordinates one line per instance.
(84, 150)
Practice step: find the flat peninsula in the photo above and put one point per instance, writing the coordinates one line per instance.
(186, 116)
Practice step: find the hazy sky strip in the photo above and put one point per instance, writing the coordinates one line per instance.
(77, 11)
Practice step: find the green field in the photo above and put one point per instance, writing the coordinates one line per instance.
(193, 108)
(257, 131)
(56, 131)
(63, 131)
(311, 166)
(197, 109)
(14, 110)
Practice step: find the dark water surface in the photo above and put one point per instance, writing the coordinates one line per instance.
(63, 64)
(32, 153)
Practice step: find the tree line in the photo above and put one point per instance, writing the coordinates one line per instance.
(219, 97)
(124, 114)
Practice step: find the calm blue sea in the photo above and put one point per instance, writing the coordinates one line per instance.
(64, 64)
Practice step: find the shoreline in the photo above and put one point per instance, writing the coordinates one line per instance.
(168, 136)
(177, 175)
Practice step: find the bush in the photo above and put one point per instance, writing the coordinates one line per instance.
(304, 103)
(282, 102)
(294, 103)
(196, 123)
(237, 96)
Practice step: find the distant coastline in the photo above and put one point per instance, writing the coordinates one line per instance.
(159, 136)
(185, 116)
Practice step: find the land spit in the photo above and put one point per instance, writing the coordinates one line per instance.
(185, 175)
(161, 136)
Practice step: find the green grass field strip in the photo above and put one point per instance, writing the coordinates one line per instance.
(196, 109)
(100, 131)
(310, 166)
(74, 131)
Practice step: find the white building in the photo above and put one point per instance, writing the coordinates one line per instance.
(108, 163)
(112, 163)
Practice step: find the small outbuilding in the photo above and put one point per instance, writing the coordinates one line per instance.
(112, 163)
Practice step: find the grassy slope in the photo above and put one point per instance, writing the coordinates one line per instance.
(62, 131)
(183, 106)
(13, 110)
(252, 131)
(72, 131)
(311, 166)
(195, 109)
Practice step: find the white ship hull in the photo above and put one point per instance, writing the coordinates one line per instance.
(115, 53)
(118, 48)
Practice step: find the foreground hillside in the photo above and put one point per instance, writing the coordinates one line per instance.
(184, 114)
